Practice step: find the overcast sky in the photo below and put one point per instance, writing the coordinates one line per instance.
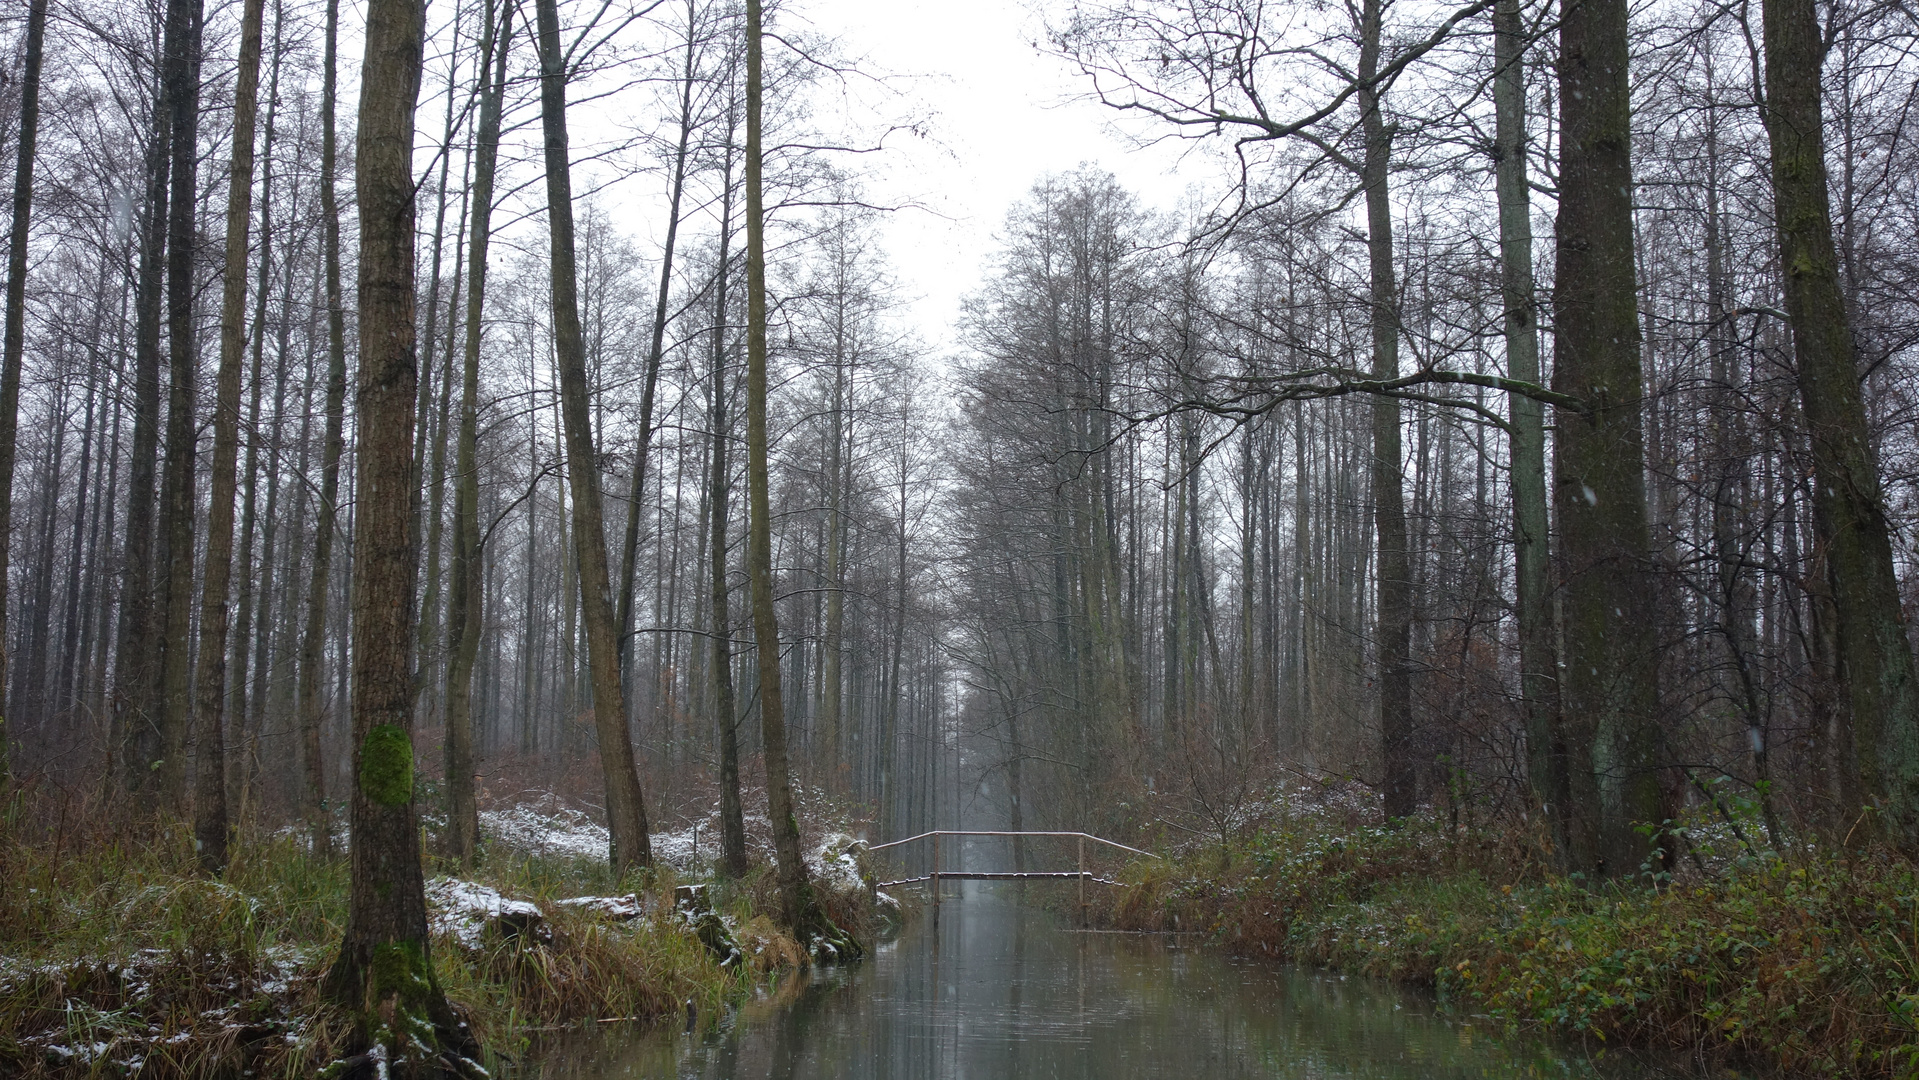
(1002, 113)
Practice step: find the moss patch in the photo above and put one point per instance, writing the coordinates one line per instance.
(386, 765)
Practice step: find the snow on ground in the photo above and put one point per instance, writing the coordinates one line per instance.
(617, 908)
(546, 827)
(695, 845)
(462, 909)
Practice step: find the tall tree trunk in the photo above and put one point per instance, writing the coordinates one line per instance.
(267, 662)
(625, 810)
(465, 604)
(210, 828)
(63, 687)
(430, 441)
(889, 728)
(1532, 584)
(1610, 687)
(313, 642)
(244, 635)
(798, 907)
(1393, 577)
(656, 352)
(833, 632)
(384, 975)
(1875, 654)
(725, 710)
(177, 500)
(30, 666)
(16, 320)
(432, 646)
(135, 735)
(98, 606)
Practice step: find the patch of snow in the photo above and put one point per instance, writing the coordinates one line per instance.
(617, 908)
(694, 847)
(79, 1055)
(836, 864)
(462, 909)
(545, 826)
(548, 829)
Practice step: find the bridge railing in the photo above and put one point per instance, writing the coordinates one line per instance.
(1082, 875)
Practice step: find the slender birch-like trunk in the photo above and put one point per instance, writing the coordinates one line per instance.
(210, 828)
(625, 809)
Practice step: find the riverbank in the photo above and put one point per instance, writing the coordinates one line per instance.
(1807, 964)
(117, 959)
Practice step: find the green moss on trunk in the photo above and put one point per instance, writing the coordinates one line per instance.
(386, 765)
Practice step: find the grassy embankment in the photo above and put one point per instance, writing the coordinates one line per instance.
(116, 958)
(1807, 964)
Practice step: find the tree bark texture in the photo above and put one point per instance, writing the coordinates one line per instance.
(177, 500)
(1609, 675)
(136, 716)
(1393, 574)
(725, 708)
(384, 974)
(1875, 654)
(798, 907)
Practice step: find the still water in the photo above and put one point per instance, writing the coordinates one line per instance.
(1004, 991)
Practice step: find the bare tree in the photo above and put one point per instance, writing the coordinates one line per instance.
(465, 607)
(313, 640)
(625, 808)
(16, 316)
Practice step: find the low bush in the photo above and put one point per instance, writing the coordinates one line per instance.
(1808, 964)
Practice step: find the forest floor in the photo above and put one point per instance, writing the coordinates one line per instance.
(117, 959)
(1803, 964)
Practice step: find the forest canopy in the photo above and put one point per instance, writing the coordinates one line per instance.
(1515, 421)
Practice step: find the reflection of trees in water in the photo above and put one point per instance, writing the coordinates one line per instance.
(1003, 993)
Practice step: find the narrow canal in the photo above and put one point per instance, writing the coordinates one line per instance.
(1005, 991)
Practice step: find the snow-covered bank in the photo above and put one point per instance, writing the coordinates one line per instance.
(118, 959)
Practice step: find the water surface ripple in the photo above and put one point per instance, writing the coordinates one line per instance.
(1004, 991)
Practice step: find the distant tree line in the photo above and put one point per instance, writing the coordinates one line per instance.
(1335, 473)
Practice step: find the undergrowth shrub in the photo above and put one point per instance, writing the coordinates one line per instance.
(1809, 964)
(117, 958)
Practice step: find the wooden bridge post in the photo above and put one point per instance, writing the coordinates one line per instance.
(936, 881)
(1082, 881)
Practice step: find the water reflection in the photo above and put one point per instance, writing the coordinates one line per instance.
(1003, 991)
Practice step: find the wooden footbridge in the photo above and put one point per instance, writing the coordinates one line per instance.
(937, 874)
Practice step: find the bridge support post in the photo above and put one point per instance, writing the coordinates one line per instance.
(936, 881)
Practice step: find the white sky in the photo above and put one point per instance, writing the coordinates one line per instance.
(1002, 113)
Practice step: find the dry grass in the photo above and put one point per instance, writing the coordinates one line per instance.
(116, 958)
